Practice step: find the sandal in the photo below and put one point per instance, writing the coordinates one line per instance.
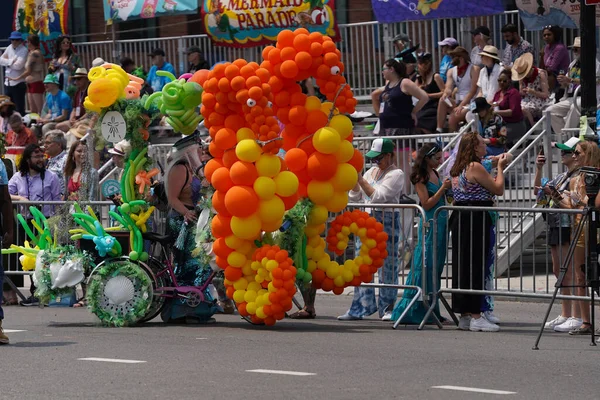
(81, 303)
(303, 314)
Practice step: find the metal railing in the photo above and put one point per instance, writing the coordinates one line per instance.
(531, 276)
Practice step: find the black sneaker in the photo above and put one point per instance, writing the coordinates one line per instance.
(582, 330)
(31, 301)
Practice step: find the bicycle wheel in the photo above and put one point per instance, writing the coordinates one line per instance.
(158, 301)
(120, 292)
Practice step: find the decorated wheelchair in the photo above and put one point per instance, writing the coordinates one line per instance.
(282, 163)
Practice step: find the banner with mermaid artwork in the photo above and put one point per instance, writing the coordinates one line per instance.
(389, 11)
(45, 18)
(250, 23)
(123, 10)
(536, 14)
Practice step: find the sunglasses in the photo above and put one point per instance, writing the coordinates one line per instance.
(566, 153)
(378, 158)
(577, 153)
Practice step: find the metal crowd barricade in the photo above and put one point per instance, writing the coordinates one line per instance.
(530, 276)
(384, 213)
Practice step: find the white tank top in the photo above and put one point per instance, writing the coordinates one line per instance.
(463, 84)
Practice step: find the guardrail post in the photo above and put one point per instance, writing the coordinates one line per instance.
(181, 56)
(547, 132)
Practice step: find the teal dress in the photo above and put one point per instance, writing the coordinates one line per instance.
(416, 314)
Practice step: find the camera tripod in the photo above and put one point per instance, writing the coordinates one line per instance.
(590, 215)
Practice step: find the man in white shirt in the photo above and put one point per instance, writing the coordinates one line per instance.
(14, 59)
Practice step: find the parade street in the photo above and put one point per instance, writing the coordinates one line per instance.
(61, 353)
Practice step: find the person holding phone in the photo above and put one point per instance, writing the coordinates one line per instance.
(559, 229)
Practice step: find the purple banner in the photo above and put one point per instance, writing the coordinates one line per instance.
(410, 10)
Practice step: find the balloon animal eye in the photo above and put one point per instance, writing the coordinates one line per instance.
(335, 70)
(269, 104)
(251, 103)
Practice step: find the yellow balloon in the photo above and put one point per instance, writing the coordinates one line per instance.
(264, 187)
(251, 307)
(312, 230)
(286, 183)
(271, 210)
(254, 286)
(248, 150)
(344, 152)
(268, 165)
(345, 178)
(312, 103)
(240, 284)
(260, 313)
(246, 228)
(239, 295)
(318, 215)
(319, 192)
(233, 242)
(103, 92)
(236, 259)
(327, 140)
(337, 202)
(245, 133)
(250, 296)
(326, 108)
(272, 226)
(342, 124)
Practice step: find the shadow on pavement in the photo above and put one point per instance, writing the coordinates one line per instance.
(42, 344)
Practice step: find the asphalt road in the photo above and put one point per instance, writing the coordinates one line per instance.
(342, 360)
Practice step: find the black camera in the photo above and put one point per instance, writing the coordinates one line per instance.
(591, 177)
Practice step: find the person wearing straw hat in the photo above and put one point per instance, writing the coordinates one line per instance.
(533, 86)
(119, 151)
(79, 116)
(58, 104)
(488, 77)
(564, 113)
(463, 77)
(14, 59)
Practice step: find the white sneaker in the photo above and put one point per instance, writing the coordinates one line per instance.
(555, 322)
(570, 324)
(387, 316)
(348, 317)
(489, 315)
(483, 325)
(464, 323)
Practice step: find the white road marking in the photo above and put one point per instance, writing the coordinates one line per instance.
(113, 360)
(279, 372)
(472, 389)
(14, 330)
(201, 338)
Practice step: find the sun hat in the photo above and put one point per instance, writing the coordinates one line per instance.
(51, 79)
(121, 148)
(79, 131)
(460, 52)
(80, 73)
(379, 147)
(576, 42)
(449, 41)
(491, 52)
(522, 66)
(98, 62)
(569, 145)
(15, 36)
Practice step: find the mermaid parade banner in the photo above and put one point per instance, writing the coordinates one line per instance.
(45, 18)
(122, 10)
(389, 11)
(250, 23)
(536, 14)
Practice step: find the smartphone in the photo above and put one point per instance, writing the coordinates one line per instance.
(541, 153)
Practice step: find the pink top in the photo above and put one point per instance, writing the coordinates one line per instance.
(556, 58)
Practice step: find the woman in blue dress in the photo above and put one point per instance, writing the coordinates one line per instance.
(431, 190)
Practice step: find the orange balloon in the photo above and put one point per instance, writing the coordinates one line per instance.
(290, 201)
(233, 274)
(231, 71)
(315, 120)
(243, 173)
(321, 167)
(214, 150)
(229, 158)
(303, 60)
(288, 53)
(296, 159)
(241, 201)
(285, 38)
(298, 115)
(357, 161)
(225, 138)
(200, 77)
(218, 202)
(221, 179)
(211, 167)
(221, 249)
(302, 42)
(221, 226)
(289, 69)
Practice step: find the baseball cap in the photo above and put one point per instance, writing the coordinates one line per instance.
(157, 52)
(379, 147)
(569, 145)
(449, 41)
(194, 49)
(402, 37)
(51, 79)
(481, 29)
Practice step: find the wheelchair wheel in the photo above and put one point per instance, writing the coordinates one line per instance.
(158, 302)
(120, 292)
